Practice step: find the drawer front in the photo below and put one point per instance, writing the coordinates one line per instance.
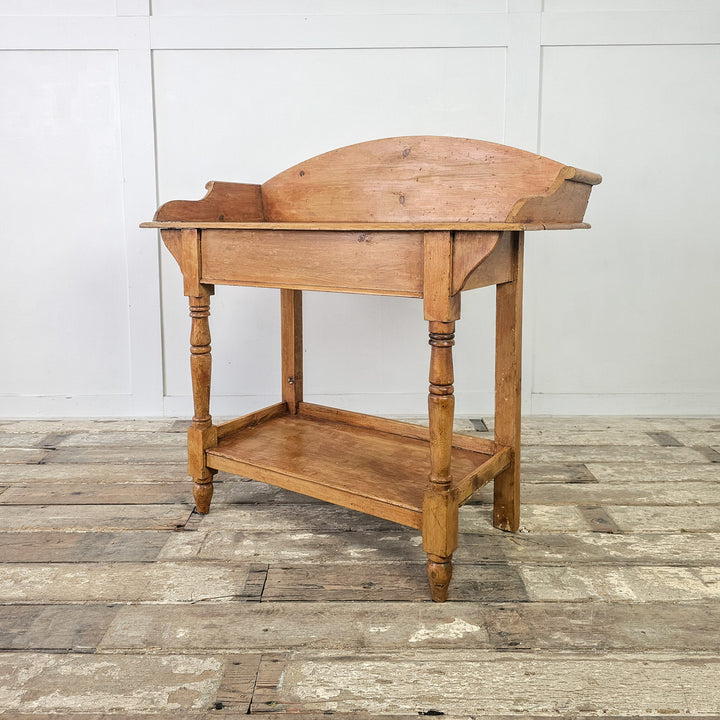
(384, 263)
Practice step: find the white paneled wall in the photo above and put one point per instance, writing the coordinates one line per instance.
(66, 299)
(646, 282)
(108, 107)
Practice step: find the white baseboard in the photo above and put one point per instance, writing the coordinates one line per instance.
(624, 404)
(476, 404)
(78, 406)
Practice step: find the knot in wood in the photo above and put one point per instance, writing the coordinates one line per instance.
(442, 339)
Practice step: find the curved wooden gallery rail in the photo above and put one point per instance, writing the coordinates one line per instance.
(425, 217)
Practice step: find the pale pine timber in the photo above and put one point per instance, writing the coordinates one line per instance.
(440, 507)
(251, 419)
(508, 350)
(426, 217)
(440, 304)
(353, 466)
(567, 197)
(202, 434)
(223, 202)
(397, 427)
(415, 179)
(482, 259)
(291, 330)
(377, 262)
(465, 487)
(459, 226)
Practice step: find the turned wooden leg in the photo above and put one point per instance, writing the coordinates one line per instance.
(508, 335)
(440, 509)
(202, 434)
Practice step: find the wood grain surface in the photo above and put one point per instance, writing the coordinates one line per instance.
(354, 466)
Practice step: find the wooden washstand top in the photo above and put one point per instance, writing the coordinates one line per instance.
(420, 183)
(361, 226)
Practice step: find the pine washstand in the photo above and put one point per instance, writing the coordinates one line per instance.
(422, 217)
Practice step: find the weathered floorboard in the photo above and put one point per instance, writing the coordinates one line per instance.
(405, 546)
(134, 438)
(389, 583)
(664, 472)
(627, 493)
(52, 546)
(93, 517)
(59, 683)
(120, 582)
(386, 626)
(108, 473)
(69, 425)
(117, 454)
(617, 453)
(459, 682)
(621, 584)
(71, 628)
(21, 455)
(632, 519)
(21, 440)
(98, 494)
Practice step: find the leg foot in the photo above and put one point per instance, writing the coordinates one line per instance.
(203, 492)
(506, 505)
(439, 572)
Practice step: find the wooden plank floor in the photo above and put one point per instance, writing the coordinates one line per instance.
(118, 601)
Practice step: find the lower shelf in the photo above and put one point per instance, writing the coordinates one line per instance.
(374, 471)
